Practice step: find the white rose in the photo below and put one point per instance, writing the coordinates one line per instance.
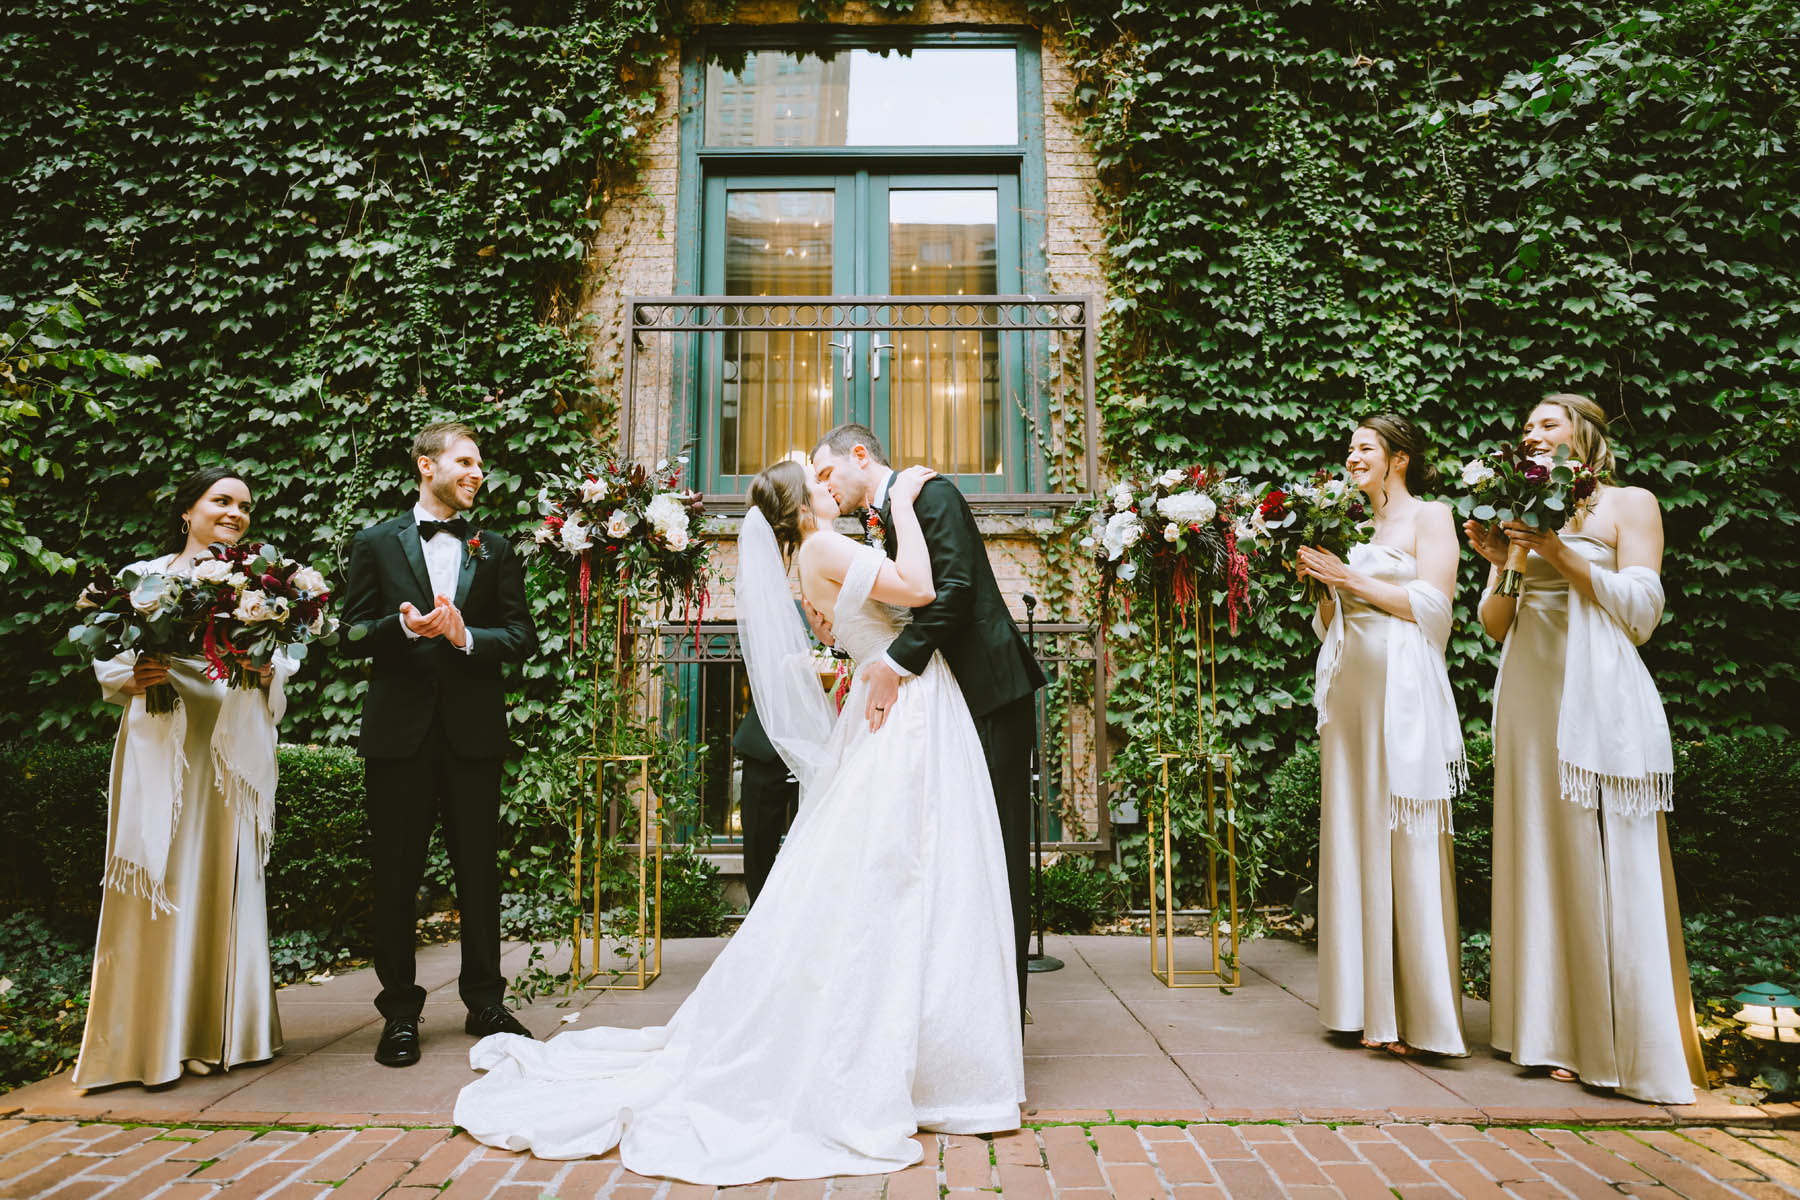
(316, 626)
(1121, 497)
(308, 581)
(593, 490)
(237, 579)
(1171, 532)
(153, 593)
(677, 540)
(1476, 473)
(1334, 488)
(1171, 477)
(574, 537)
(619, 524)
(1122, 531)
(254, 607)
(1188, 508)
(667, 515)
(212, 571)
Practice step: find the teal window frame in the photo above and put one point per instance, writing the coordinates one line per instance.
(703, 171)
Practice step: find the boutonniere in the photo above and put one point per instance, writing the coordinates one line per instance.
(476, 550)
(877, 536)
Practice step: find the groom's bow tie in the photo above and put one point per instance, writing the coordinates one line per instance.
(457, 525)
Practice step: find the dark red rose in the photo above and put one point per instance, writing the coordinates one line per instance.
(1537, 472)
(1273, 504)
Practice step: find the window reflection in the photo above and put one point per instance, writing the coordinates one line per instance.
(944, 404)
(950, 96)
(776, 388)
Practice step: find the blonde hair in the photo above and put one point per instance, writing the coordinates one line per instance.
(1588, 441)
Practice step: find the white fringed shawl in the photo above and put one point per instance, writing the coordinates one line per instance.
(1421, 736)
(153, 770)
(1612, 737)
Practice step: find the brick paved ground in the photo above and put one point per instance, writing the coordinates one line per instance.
(63, 1160)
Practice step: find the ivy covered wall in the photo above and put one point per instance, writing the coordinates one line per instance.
(1448, 209)
(331, 222)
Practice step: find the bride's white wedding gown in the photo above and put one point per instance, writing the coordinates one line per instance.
(868, 994)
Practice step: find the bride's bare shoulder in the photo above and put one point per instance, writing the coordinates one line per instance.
(827, 553)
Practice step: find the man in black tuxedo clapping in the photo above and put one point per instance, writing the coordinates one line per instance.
(440, 607)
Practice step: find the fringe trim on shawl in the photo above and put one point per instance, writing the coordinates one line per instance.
(1416, 815)
(1634, 797)
(255, 809)
(134, 879)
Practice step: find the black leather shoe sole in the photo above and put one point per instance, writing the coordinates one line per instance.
(399, 1045)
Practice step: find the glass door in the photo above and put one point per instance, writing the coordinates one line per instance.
(942, 396)
(778, 388)
(774, 384)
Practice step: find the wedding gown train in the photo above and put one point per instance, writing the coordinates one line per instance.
(868, 994)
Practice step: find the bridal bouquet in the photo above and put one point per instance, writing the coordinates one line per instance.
(136, 610)
(248, 601)
(1175, 535)
(1326, 511)
(630, 523)
(1514, 484)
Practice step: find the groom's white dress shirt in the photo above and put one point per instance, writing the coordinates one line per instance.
(443, 562)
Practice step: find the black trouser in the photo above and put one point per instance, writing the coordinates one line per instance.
(406, 797)
(1006, 736)
(766, 799)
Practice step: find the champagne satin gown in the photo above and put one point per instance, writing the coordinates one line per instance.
(194, 983)
(1390, 959)
(1589, 972)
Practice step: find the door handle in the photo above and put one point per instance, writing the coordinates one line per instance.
(849, 364)
(875, 356)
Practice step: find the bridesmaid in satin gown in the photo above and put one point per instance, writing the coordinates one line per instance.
(1389, 952)
(190, 988)
(1589, 976)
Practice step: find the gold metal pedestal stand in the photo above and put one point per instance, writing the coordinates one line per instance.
(1216, 768)
(646, 960)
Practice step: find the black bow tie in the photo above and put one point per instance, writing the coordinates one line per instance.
(430, 529)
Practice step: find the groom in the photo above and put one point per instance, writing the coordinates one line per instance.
(439, 606)
(969, 623)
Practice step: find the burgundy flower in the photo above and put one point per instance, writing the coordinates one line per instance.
(1273, 504)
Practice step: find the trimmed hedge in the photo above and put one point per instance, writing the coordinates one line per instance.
(1732, 793)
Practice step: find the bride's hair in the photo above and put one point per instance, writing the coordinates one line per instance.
(781, 492)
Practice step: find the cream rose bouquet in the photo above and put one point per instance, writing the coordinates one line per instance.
(248, 601)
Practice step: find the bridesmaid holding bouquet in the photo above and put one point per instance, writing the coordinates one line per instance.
(1390, 759)
(1590, 977)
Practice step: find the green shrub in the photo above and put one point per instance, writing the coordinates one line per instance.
(1731, 792)
(1078, 894)
(693, 899)
(53, 807)
(43, 997)
(319, 873)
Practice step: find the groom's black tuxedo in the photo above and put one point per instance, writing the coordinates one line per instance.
(433, 737)
(969, 624)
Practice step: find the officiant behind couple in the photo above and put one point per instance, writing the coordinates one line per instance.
(868, 993)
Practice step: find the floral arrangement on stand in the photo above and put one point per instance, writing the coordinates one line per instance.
(1325, 510)
(236, 608)
(1172, 538)
(1515, 484)
(629, 530)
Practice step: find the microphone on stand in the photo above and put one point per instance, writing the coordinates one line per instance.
(1040, 961)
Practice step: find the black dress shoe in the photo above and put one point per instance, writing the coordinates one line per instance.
(399, 1045)
(494, 1019)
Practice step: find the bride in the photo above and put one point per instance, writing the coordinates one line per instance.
(870, 991)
